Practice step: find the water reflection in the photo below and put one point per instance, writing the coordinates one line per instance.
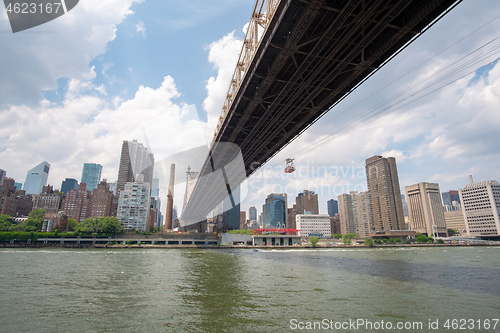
(218, 294)
(444, 273)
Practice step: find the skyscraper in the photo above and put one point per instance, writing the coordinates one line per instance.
(231, 215)
(307, 201)
(155, 188)
(69, 184)
(274, 211)
(135, 160)
(481, 207)
(425, 209)
(385, 194)
(91, 175)
(252, 213)
(333, 207)
(36, 178)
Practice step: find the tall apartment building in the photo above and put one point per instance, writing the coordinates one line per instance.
(355, 213)
(102, 198)
(91, 175)
(135, 160)
(481, 207)
(14, 202)
(385, 194)
(78, 203)
(274, 211)
(37, 178)
(333, 207)
(134, 205)
(425, 209)
(307, 201)
(313, 225)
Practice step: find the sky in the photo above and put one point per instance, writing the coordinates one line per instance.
(73, 89)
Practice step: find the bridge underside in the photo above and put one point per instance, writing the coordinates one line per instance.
(314, 53)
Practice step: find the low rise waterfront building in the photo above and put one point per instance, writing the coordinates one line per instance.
(276, 240)
(313, 225)
(455, 220)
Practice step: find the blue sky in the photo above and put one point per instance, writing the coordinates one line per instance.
(73, 89)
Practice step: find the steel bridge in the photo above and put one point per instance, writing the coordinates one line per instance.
(299, 59)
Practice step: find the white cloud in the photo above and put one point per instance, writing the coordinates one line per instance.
(223, 54)
(34, 60)
(140, 28)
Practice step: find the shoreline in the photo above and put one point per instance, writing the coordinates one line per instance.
(268, 247)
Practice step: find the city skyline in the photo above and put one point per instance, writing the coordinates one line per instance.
(84, 110)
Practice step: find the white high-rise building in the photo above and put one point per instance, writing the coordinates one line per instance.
(133, 205)
(37, 178)
(481, 207)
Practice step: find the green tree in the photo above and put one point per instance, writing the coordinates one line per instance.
(72, 224)
(421, 238)
(7, 223)
(453, 232)
(369, 241)
(338, 236)
(100, 225)
(348, 237)
(33, 222)
(314, 240)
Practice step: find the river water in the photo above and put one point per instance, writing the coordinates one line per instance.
(243, 290)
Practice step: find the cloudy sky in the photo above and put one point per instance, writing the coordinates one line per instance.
(73, 89)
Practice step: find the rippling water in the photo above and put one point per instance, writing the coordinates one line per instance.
(177, 290)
